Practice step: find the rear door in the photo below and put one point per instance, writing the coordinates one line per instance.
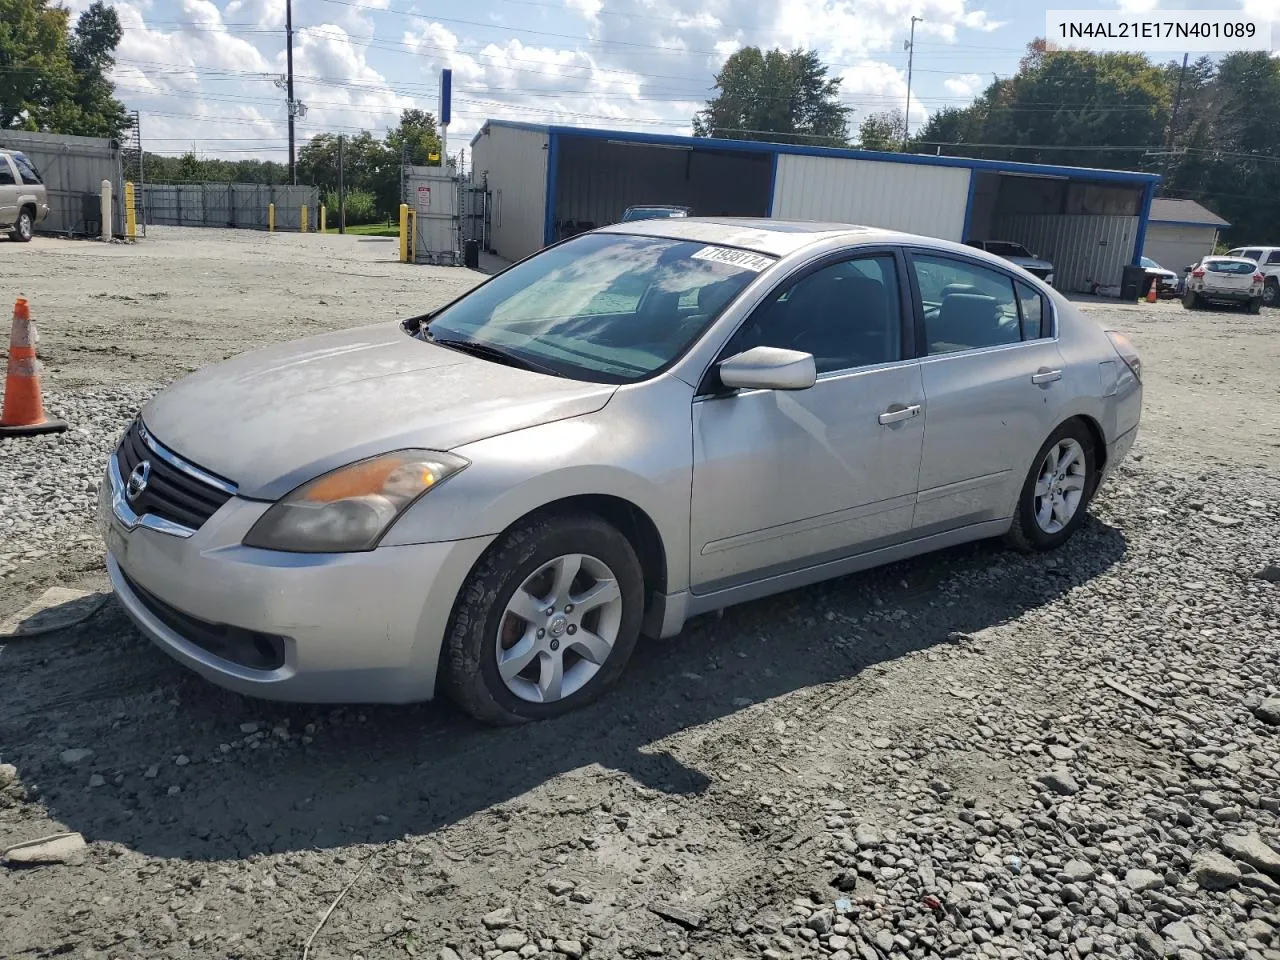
(993, 384)
(9, 190)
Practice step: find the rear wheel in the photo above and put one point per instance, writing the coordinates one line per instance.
(1271, 293)
(546, 622)
(25, 227)
(1056, 493)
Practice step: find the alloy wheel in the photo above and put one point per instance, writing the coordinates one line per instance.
(559, 628)
(1060, 485)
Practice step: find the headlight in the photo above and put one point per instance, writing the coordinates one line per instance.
(349, 509)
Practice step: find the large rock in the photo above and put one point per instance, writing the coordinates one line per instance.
(1253, 850)
(1181, 936)
(1268, 711)
(1139, 880)
(59, 848)
(1060, 782)
(1213, 871)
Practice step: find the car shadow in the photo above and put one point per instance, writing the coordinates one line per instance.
(181, 778)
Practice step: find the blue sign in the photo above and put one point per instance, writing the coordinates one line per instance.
(446, 96)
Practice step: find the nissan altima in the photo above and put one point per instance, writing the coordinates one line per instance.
(496, 499)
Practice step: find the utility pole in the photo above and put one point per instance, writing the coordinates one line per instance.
(911, 56)
(1177, 101)
(342, 191)
(288, 34)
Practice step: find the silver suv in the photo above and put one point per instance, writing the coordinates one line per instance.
(24, 202)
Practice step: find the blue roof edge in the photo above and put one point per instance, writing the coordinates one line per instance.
(760, 146)
(1193, 223)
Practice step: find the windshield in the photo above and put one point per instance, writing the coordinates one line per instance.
(603, 307)
(1151, 264)
(650, 213)
(1002, 248)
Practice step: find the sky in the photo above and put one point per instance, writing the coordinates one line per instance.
(204, 74)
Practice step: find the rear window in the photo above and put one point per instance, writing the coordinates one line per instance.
(26, 170)
(1229, 266)
(6, 175)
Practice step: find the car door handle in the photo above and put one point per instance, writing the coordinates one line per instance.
(901, 413)
(1046, 376)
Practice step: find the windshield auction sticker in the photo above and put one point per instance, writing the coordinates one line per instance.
(736, 258)
(1158, 31)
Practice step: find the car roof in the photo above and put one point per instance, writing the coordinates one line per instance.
(778, 238)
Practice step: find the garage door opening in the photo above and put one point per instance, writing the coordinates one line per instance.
(596, 179)
(1088, 230)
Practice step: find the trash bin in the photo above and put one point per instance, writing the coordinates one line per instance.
(1131, 282)
(471, 254)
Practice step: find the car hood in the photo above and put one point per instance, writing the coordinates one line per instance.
(271, 419)
(1031, 263)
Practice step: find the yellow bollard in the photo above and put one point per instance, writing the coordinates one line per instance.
(322, 212)
(404, 233)
(303, 227)
(271, 218)
(130, 214)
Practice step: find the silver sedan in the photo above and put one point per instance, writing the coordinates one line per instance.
(496, 499)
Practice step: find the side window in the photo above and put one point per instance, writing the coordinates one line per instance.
(847, 314)
(6, 175)
(966, 306)
(1273, 257)
(1035, 313)
(26, 171)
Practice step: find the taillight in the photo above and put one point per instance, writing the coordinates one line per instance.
(1127, 353)
(1197, 273)
(1259, 277)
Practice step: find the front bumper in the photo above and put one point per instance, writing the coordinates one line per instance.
(351, 628)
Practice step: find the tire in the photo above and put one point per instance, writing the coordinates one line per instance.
(25, 227)
(1255, 305)
(1028, 532)
(1271, 293)
(481, 627)
(1190, 300)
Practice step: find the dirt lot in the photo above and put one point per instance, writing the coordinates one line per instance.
(971, 754)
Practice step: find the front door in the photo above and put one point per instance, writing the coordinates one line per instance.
(992, 376)
(787, 479)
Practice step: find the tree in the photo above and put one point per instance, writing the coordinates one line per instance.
(882, 131)
(55, 81)
(777, 96)
(417, 136)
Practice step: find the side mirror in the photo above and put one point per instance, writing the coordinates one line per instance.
(769, 368)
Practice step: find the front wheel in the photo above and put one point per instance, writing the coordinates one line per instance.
(25, 226)
(1055, 495)
(1190, 300)
(546, 622)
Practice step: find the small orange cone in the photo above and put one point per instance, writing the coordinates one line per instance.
(23, 413)
(1151, 293)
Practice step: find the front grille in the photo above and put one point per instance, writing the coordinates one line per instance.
(245, 648)
(171, 493)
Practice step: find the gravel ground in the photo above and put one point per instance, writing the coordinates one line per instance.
(974, 754)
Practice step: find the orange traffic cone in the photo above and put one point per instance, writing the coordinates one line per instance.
(23, 413)
(1152, 296)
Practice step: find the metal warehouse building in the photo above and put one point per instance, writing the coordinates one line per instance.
(549, 182)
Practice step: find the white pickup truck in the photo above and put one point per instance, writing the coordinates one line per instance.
(1268, 261)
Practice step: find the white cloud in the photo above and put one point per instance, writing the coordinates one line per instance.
(965, 85)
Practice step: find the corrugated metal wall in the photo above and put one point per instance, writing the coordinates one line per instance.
(434, 195)
(1174, 246)
(516, 163)
(1084, 249)
(597, 180)
(73, 169)
(241, 205)
(917, 198)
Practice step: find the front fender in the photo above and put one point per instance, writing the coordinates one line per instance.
(638, 448)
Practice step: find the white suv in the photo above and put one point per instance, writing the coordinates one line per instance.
(23, 199)
(1268, 261)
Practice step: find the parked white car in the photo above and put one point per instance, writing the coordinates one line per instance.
(1268, 259)
(1224, 280)
(1017, 253)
